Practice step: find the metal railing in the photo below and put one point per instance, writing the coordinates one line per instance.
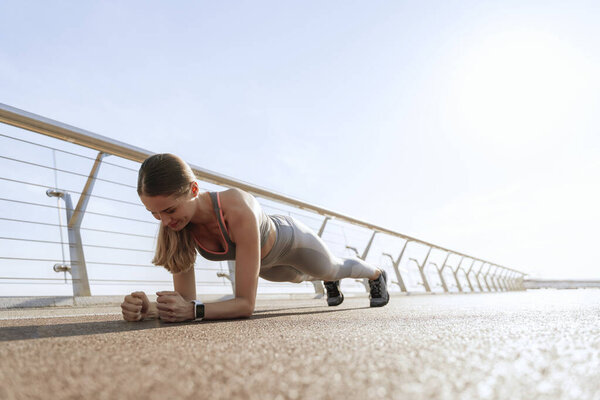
(449, 272)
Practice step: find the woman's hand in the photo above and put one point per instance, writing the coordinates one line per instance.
(174, 308)
(135, 306)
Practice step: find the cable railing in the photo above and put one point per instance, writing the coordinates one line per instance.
(119, 233)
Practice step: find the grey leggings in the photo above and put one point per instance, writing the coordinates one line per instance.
(299, 255)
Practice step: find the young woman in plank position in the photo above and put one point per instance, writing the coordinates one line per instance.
(230, 225)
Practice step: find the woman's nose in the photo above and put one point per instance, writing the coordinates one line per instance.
(166, 220)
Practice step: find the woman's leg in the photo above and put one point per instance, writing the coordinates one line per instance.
(308, 254)
(285, 273)
(299, 255)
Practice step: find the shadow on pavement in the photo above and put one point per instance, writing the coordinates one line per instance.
(99, 327)
(263, 314)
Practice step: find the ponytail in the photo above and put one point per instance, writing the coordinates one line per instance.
(176, 251)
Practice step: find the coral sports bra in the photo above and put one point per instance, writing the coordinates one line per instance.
(229, 251)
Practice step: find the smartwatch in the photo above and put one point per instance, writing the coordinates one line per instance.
(199, 310)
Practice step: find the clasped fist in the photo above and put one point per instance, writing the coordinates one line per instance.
(174, 308)
(135, 306)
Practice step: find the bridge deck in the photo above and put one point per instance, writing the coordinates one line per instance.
(535, 344)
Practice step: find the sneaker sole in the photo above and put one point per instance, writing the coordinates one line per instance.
(336, 301)
(380, 304)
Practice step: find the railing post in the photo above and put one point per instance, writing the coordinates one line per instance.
(422, 269)
(521, 279)
(508, 279)
(455, 272)
(363, 257)
(368, 248)
(423, 279)
(422, 272)
(485, 277)
(511, 281)
(467, 275)
(493, 276)
(516, 280)
(396, 265)
(231, 268)
(477, 276)
(77, 268)
(441, 273)
(229, 276)
(503, 280)
(497, 278)
(322, 229)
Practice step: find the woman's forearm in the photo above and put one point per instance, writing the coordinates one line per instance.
(228, 309)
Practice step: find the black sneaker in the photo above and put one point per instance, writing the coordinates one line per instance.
(379, 293)
(335, 297)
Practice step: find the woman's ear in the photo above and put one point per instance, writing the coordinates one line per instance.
(194, 188)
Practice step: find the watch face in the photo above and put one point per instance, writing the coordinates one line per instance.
(199, 311)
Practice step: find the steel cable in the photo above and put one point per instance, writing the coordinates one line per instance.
(66, 171)
(67, 152)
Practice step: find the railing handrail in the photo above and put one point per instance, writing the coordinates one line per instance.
(49, 127)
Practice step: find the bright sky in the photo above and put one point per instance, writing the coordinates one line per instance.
(470, 124)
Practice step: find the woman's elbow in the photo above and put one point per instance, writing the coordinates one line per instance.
(247, 309)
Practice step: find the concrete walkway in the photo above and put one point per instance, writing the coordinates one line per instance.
(524, 345)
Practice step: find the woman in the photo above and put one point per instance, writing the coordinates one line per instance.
(230, 225)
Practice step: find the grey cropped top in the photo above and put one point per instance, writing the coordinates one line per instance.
(229, 251)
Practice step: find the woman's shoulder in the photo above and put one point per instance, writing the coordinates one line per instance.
(234, 194)
(237, 199)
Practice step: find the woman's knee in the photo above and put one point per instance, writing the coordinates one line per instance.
(330, 275)
(299, 278)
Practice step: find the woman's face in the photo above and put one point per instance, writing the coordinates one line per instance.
(174, 212)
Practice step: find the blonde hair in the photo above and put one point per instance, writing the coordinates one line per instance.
(166, 175)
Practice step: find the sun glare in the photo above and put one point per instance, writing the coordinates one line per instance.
(518, 87)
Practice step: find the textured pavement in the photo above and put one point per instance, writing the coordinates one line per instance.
(542, 344)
